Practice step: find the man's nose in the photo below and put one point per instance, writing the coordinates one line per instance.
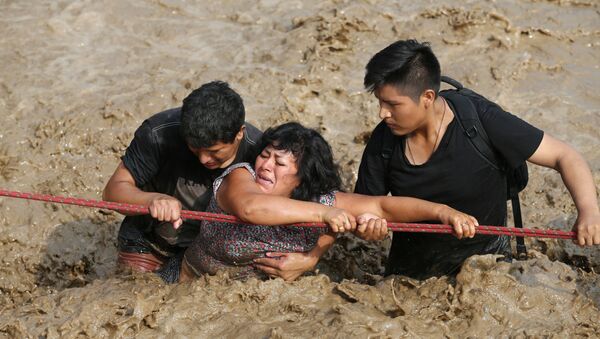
(204, 158)
(384, 113)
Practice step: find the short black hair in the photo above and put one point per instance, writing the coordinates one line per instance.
(409, 65)
(317, 171)
(210, 114)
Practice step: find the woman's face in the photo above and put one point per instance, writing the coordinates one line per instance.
(276, 171)
(399, 111)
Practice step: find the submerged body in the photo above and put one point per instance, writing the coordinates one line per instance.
(233, 247)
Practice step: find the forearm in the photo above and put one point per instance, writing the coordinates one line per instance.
(392, 208)
(406, 209)
(578, 179)
(290, 266)
(267, 209)
(323, 245)
(124, 192)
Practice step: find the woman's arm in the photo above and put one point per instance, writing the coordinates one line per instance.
(239, 195)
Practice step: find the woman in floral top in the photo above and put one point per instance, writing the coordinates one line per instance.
(295, 181)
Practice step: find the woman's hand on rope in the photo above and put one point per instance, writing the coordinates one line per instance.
(464, 225)
(165, 208)
(339, 220)
(371, 227)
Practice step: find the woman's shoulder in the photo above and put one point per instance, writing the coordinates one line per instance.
(233, 167)
(244, 165)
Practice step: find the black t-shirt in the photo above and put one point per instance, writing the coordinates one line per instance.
(160, 161)
(455, 175)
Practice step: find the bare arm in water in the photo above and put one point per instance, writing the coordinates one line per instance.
(577, 176)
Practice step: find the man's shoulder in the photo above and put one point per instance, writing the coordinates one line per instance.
(165, 119)
(162, 130)
(380, 137)
(379, 130)
(481, 104)
(252, 134)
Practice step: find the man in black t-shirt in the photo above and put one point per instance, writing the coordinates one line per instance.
(433, 159)
(170, 165)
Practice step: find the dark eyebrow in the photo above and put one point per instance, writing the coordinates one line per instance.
(391, 102)
(282, 155)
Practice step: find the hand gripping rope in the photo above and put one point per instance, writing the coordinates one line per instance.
(193, 215)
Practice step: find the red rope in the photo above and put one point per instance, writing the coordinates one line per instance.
(194, 215)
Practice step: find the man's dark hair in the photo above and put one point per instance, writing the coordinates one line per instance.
(409, 65)
(317, 171)
(210, 114)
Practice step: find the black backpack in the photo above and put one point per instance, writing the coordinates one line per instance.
(468, 119)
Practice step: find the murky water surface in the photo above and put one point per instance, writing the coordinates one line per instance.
(77, 78)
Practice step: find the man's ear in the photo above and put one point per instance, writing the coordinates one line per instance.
(240, 134)
(428, 98)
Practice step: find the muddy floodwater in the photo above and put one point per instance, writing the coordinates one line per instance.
(78, 77)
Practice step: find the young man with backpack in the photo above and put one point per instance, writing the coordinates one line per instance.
(456, 148)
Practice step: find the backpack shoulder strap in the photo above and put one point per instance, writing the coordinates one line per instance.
(471, 124)
(468, 118)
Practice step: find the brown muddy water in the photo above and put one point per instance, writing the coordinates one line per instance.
(77, 78)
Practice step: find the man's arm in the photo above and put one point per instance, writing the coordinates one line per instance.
(577, 176)
(403, 209)
(289, 266)
(372, 181)
(121, 187)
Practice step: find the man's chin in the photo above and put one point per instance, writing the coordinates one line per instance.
(211, 166)
(399, 132)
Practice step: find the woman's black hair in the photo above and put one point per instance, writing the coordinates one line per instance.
(317, 171)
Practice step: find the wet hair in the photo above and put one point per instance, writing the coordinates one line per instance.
(210, 114)
(408, 65)
(317, 172)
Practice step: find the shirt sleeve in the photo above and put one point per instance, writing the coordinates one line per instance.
(514, 138)
(142, 157)
(372, 171)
